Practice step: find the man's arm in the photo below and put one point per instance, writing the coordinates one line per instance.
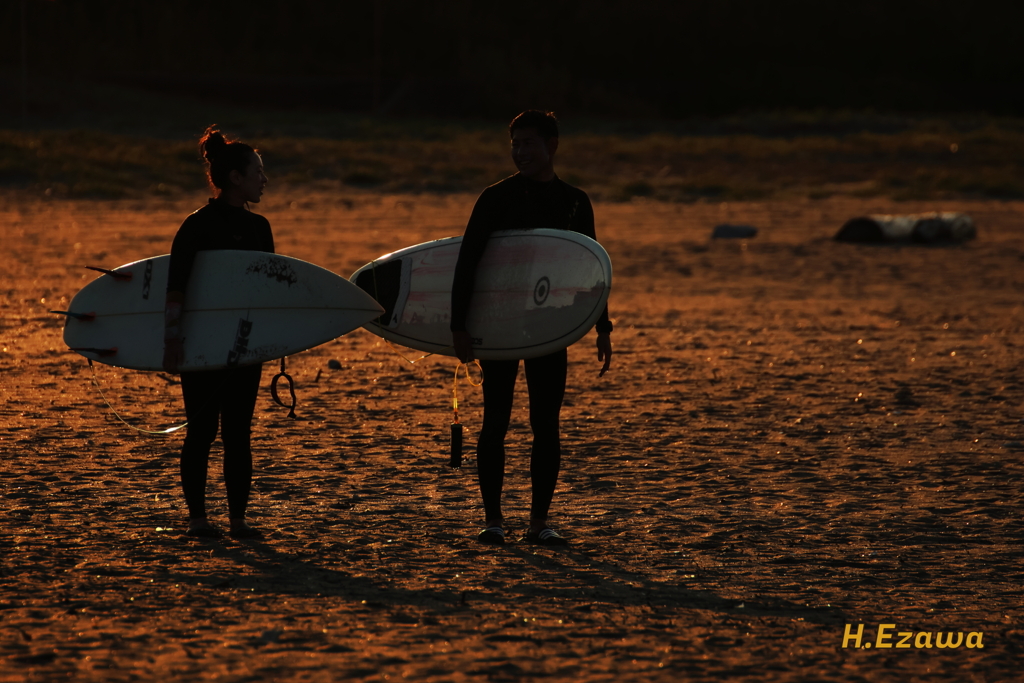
(583, 223)
(474, 241)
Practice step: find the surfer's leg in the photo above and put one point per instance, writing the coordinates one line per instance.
(242, 385)
(499, 386)
(545, 379)
(202, 405)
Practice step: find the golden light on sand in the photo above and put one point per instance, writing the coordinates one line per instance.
(762, 464)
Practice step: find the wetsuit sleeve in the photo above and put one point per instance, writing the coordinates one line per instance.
(584, 224)
(474, 241)
(183, 254)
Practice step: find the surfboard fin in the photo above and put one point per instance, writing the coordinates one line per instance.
(84, 317)
(126, 275)
(102, 353)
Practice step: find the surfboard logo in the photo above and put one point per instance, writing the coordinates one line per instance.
(541, 290)
(147, 280)
(274, 268)
(241, 342)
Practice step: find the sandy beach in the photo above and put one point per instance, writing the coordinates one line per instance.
(797, 437)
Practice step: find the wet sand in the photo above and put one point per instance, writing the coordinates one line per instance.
(796, 435)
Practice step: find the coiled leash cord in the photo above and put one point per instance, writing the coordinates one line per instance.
(291, 390)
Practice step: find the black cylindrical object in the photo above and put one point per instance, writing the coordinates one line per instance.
(456, 461)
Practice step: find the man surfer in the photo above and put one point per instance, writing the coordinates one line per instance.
(532, 198)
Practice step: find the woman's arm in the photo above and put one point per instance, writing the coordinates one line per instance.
(183, 254)
(173, 342)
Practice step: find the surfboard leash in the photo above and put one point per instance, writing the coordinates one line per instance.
(456, 433)
(291, 390)
(161, 432)
(410, 361)
(456, 427)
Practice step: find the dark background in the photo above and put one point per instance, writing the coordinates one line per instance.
(603, 58)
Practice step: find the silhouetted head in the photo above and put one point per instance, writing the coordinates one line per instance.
(232, 167)
(544, 122)
(534, 143)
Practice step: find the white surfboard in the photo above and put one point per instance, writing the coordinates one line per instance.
(241, 308)
(535, 292)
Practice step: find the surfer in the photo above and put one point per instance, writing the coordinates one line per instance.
(235, 174)
(534, 197)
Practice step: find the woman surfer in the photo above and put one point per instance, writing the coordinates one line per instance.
(235, 173)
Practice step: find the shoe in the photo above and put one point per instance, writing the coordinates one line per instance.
(246, 532)
(492, 535)
(205, 532)
(545, 536)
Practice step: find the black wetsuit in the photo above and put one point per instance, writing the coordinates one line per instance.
(518, 203)
(227, 396)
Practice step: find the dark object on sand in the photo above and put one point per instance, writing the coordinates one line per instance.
(924, 228)
(333, 364)
(726, 231)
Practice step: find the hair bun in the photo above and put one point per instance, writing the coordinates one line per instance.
(212, 143)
